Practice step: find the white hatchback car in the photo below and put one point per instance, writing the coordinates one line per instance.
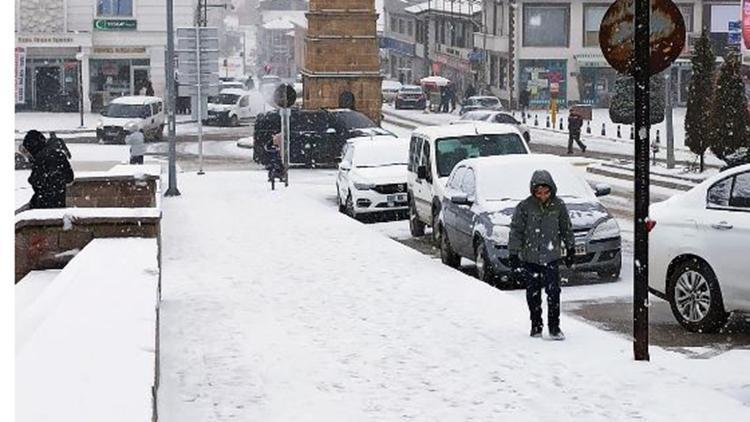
(372, 177)
(142, 112)
(698, 250)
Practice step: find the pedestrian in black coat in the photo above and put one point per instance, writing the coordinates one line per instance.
(575, 122)
(59, 144)
(149, 89)
(470, 91)
(50, 171)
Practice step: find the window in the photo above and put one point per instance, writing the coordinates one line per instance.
(592, 18)
(414, 147)
(468, 183)
(497, 19)
(394, 25)
(114, 8)
(718, 194)
(741, 191)
(506, 118)
(501, 73)
(545, 26)
(426, 160)
(493, 70)
(455, 182)
(401, 26)
(410, 28)
(450, 151)
(687, 16)
(245, 101)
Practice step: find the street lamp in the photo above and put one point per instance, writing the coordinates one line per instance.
(79, 57)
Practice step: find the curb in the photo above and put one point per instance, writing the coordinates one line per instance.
(623, 176)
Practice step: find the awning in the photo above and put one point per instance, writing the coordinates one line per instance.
(591, 60)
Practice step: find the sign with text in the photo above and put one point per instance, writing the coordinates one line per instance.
(115, 24)
(20, 75)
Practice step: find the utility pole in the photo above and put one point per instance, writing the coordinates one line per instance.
(171, 94)
(670, 124)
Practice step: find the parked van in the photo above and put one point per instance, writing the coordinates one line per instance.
(231, 107)
(144, 112)
(435, 150)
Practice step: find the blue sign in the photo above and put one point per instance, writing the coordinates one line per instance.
(734, 26)
(398, 46)
(734, 38)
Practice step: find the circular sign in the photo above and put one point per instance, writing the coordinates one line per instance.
(284, 96)
(666, 35)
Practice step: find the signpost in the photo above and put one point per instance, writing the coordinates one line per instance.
(171, 94)
(284, 96)
(198, 55)
(20, 75)
(656, 43)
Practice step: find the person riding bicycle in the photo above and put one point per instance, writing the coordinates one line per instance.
(273, 152)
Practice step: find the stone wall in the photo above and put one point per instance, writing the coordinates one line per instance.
(41, 16)
(324, 93)
(113, 192)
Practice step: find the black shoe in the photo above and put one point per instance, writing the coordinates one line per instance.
(570, 152)
(536, 331)
(556, 334)
(583, 148)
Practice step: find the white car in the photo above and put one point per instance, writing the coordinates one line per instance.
(233, 106)
(372, 177)
(698, 250)
(389, 90)
(493, 116)
(142, 112)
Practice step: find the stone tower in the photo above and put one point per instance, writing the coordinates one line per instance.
(342, 62)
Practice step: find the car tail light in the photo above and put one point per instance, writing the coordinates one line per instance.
(650, 224)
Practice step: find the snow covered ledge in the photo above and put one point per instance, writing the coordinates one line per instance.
(49, 238)
(87, 346)
(121, 186)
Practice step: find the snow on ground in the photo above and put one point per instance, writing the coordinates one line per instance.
(276, 307)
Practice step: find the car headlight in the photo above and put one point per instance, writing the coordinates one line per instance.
(99, 124)
(606, 230)
(363, 186)
(500, 235)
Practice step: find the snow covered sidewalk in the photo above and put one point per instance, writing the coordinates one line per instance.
(277, 308)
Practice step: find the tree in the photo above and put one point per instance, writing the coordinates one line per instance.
(622, 106)
(731, 131)
(700, 94)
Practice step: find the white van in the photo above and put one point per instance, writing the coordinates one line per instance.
(435, 150)
(233, 106)
(144, 112)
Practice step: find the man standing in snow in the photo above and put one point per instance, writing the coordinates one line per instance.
(134, 138)
(50, 171)
(539, 227)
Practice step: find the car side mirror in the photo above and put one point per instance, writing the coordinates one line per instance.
(421, 172)
(461, 199)
(330, 130)
(602, 189)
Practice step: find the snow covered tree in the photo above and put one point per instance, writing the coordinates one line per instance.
(700, 93)
(622, 106)
(731, 123)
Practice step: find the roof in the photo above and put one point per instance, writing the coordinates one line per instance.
(374, 138)
(136, 100)
(478, 128)
(466, 8)
(524, 160)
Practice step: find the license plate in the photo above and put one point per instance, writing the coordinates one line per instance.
(395, 198)
(580, 249)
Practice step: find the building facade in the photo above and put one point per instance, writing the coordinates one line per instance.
(275, 36)
(342, 63)
(402, 43)
(111, 47)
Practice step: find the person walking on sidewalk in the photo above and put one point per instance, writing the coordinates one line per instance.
(134, 138)
(50, 171)
(539, 228)
(59, 144)
(575, 122)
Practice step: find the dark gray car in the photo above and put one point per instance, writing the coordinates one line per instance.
(481, 195)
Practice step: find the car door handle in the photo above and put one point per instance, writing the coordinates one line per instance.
(722, 225)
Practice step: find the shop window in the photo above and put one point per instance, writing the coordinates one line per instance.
(546, 26)
(687, 16)
(410, 28)
(493, 70)
(592, 19)
(114, 7)
(394, 24)
(502, 67)
(401, 26)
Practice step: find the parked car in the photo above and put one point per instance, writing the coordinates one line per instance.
(372, 177)
(231, 84)
(143, 112)
(480, 102)
(410, 96)
(389, 90)
(230, 107)
(317, 136)
(481, 195)
(698, 250)
(351, 141)
(737, 158)
(435, 150)
(495, 117)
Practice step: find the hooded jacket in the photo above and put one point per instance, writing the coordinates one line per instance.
(50, 171)
(537, 231)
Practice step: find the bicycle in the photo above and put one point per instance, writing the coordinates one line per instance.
(274, 165)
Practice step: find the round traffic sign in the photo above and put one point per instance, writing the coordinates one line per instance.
(617, 41)
(284, 96)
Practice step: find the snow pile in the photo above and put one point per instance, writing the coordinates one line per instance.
(277, 308)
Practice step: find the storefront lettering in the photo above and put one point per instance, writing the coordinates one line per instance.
(45, 40)
(119, 50)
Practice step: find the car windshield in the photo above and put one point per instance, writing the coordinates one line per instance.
(126, 110)
(410, 90)
(475, 115)
(511, 181)
(225, 99)
(484, 102)
(449, 151)
(505, 118)
(354, 120)
(369, 154)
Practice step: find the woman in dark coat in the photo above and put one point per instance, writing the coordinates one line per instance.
(50, 171)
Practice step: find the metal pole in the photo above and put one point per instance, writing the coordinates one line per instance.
(642, 125)
(200, 98)
(285, 136)
(172, 189)
(670, 124)
(80, 87)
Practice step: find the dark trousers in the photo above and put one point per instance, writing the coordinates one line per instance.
(577, 138)
(548, 277)
(136, 159)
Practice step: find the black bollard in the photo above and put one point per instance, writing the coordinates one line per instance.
(561, 124)
(588, 127)
(536, 121)
(523, 117)
(657, 136)
(604, 132)
(547, 121)
(631, 133)
(618, 132)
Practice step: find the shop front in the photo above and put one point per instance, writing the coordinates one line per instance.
(116, 72)
(457, 70)
(537, 76)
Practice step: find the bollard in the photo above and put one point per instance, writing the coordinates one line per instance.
(561, 123)
(536, 121)
(631, 133)
(618, 132)
(588, 127)
(604, 132)
(523, 118)
(547, 121)
(657, 136)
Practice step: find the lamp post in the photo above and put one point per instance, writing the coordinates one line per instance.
(79, 57)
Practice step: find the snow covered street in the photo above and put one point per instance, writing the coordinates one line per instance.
(276, 307)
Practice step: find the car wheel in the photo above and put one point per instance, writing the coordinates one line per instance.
(695, 297)
(447, 255)
(342, 207)
(485, 271)
(349, 207)
(234, 121)
(160, 133)
(416, 227)
(435, 231)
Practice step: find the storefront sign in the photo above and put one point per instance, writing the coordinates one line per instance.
(398, 46)
(119, 50)
(451, 61)
(51, 40)
(20, 75)
(115, 24)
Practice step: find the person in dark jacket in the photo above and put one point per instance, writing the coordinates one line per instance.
(523, 100)
(575, 122)
(470, 92)
(538, 230)
(149, 89)
(50, 171)
(59, 144)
